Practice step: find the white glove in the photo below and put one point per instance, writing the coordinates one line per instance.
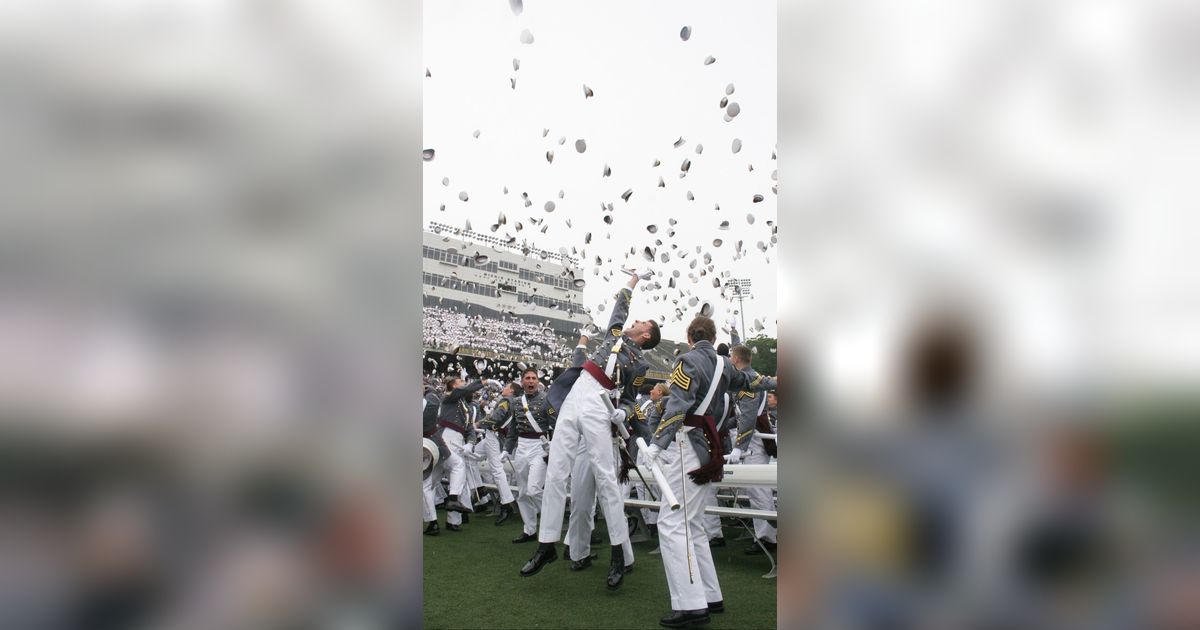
(469, 448)
(618, 416)
(652, 453)
(505, 456)
(734, 457)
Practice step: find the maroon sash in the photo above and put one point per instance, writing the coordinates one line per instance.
(763, 425)
(450, 425)
(714, 470)
(598, 374)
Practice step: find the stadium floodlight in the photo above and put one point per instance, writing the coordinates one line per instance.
(741, 290)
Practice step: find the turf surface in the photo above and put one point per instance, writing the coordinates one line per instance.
(471, 580)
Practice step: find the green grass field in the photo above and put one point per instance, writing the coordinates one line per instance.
(471, 580)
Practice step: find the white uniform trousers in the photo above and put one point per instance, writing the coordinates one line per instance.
(691, 576)
(474, 474)
(712, 522)
(760, 498)
(428, 512)
(490, 448)
(531, 476)
(583, 418)
(458, 473)
(583, 509)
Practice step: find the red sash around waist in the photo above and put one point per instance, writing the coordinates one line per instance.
(714, 470)
(763, 425)
(598, 374)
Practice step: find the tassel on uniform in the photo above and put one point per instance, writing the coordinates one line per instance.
(627, 465)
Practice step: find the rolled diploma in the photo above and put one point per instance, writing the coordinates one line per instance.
(611, 410)
(660, 479)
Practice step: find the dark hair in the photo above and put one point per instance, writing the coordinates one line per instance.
(655, 336)
(449, 382)
(723, 349)
(528, 370)
(741, 353)
(940, 361)
(702, 329)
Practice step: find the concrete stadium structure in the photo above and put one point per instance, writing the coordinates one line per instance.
(480, 274)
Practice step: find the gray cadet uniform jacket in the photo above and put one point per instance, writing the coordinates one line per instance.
(501, 415)
(539, 408)
(429, 421)
(629, 370)
(455, 410)
(690, 381)
(749, 403)
(649, 413)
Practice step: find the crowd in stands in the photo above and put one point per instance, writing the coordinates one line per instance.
(446, 329)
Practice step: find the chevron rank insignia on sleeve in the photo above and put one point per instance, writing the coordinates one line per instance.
(637, 381)
(679, 378)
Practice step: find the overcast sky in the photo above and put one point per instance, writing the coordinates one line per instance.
(651, 88)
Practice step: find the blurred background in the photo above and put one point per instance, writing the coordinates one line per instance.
(989, 229)
(206, 303)
(987, 311)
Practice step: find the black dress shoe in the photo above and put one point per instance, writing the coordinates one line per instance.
(431, 529)
(453, 528)
(719, 541)
(616, 568)
(545, 554)
(579, 565)
(524, 538)
(452, 505)
(756, 550)
(505, 512)
(716, 607)
(685, 618)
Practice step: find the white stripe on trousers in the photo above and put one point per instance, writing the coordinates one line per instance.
(687, 560)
